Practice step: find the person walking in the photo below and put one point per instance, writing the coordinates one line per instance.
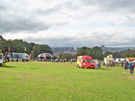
(125, 62)
(130, 66)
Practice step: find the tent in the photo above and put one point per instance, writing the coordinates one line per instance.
(44, 57)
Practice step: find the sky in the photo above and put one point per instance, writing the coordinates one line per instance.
(69, 23)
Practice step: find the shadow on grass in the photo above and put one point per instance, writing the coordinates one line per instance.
(7, 67)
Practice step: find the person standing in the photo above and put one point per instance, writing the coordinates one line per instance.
(96, 62)
(106, 64)
(71, 61)
(130, 66)
(125, 66)
(99, 64)
(122, 64)
(64, 60)
(11, 59)
(133, 66)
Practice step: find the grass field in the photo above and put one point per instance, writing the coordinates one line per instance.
(47, 81)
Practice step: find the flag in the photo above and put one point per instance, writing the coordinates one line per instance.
(24, 49)
(8, 49)
(30, 56)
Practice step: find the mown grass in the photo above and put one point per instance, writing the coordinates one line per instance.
(47, 81)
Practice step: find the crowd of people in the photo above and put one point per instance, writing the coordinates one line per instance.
(128, 65)
(63, 60)
(109, 64)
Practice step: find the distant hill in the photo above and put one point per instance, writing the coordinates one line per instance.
(71, 49)
(119, 48)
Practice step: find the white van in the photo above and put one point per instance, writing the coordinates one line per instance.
(1, 59)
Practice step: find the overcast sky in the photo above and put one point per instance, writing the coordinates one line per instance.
(74, 23)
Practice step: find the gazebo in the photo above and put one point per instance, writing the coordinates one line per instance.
(44, 57)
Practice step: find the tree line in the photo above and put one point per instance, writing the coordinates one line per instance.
(97, 53)
(66, 56)
(20, 46)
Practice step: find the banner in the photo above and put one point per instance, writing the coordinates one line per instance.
(8, 49)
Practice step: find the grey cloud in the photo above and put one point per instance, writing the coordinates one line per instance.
(67, 41)
(121, 4)
(58, 8)
(55, 9)
(72, 5)
(119, 40)
(106, 39)
(13, 21)
(2, 8)
(22, 24)
(28, 24)
(111, 5)
(61, 41)
(52, 41)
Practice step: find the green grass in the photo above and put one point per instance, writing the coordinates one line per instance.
(47, 81)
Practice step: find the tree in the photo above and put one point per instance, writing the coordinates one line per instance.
(89, 52)
(117, 55)
(132, 53)
(97, 52)
(81, 51)
(66, 56)
(18, 45)
(126, 53)
(38, 49)
(3, 46)
(45, 49)
(107, 53)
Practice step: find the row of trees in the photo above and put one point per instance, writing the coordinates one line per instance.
(122, 54)
(21, 46)
(96, 53)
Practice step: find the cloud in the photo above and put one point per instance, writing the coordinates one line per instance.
(112, 5)
(2, 8)
(52, 41)
(69, 23)
(87, 39)
(49, 10)
(20, 18)
(25, 24)
(22, 24)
